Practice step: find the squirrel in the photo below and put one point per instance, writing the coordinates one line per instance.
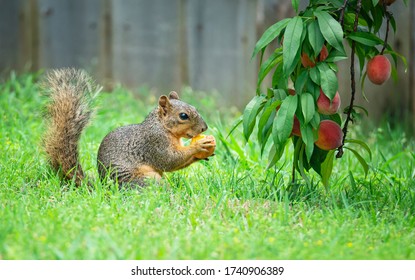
(129, 154)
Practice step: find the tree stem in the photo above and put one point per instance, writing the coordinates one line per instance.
(353, 82)
(343, 8)
(388, 16)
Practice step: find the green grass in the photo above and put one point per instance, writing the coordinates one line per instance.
(227, 208)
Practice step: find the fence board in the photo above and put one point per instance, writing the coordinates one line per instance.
(9, 31)
(68, 33)
(146, 43)
(221, 36)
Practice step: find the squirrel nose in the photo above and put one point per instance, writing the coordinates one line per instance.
(204, 127)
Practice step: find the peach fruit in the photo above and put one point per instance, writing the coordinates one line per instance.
(210, 151)
(378, 69)
(324, 53)
(307, 62)
(327, 107)
(330, 135)
(296, 127)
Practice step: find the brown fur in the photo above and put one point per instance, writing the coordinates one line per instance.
(128, 154)
(68, 113)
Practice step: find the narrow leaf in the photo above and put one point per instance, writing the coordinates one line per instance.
(362, 144)
(268, 65)
(307, 106)
(250, 113)
(269, 35)
(329, 83)
(308, 138)
(235, 126)
(331, 30)
(301, 165)
(292, 41)
(295, 5)
(278, 79)
(315, 37)
(315, 75)
(327, 168)
(301, 81)
(265, 121)
(275, 154)
(365, 38)
(360, 159)
(283, 123)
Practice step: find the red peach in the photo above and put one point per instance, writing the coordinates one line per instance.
(330, 135)
(327, 107)
(306, 61)
(378, 69)
(296, 127)
(324, 53)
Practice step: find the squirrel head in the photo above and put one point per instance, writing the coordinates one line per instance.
(180, 118)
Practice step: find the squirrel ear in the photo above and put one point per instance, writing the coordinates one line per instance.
(164, 104)
(173, 95)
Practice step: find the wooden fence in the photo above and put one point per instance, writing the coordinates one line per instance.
(165, 44)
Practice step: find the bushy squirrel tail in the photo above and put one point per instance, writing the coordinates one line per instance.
(71, 93)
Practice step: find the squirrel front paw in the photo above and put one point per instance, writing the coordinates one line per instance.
(205, 146)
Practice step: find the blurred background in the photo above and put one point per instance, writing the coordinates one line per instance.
(167, 44)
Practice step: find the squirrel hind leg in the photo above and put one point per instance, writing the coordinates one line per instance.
(142, 176)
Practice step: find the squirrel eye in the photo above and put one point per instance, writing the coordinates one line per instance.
(183, 116)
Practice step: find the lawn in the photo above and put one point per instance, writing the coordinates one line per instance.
(228, 208)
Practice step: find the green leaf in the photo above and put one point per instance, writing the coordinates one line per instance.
(280, 94)
(327, 168)
(317, 159)
(393, 23)
(301, 81)
(360, 159)
(335, 56)
(268, 65)
(329, 83)
(394, 55)
(250, 113)
(315, 122)
(375, 2)
(360, 143)
(275, 154)
(366, 38)
(315, 37)
(235, 126)
(307, 106)
(335, 117)
(331, 30)
(361, 54)
(308, 138)
(269, 35)
(283, 123)
(315, 75)
(278, 78)
(295, 5)
(265, 121)
(377, 14)
(292, 42)
(302, 165)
